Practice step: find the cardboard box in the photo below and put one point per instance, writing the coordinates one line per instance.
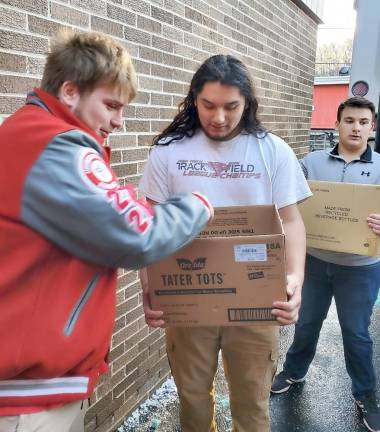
(335, 217)
(229, 275)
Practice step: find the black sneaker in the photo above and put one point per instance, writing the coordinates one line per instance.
(283, 381)
(369, 408)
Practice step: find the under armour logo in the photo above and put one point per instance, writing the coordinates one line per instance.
(366, 173)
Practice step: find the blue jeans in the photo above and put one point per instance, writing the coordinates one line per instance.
(355, 291)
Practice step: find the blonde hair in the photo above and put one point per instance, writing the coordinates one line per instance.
(88, 59)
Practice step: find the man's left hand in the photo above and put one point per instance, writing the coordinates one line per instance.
(287, 312)
(373, 221)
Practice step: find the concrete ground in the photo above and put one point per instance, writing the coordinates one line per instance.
(322, 404)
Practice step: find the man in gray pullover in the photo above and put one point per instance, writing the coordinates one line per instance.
(352, 280)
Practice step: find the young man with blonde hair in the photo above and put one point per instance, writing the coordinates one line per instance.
(66, 224)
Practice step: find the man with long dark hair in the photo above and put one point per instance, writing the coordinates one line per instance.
(216, 144)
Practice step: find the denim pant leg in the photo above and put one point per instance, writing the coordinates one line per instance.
(355, 292)
(316, 300)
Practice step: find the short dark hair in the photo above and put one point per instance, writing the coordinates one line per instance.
(227, 70)
(356, 102)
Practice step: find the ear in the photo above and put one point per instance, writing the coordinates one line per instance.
(337, 125)
(69, 94)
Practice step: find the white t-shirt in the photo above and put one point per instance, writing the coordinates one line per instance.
(242, 171)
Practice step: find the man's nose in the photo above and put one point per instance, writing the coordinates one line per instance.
(356, 126)
(219, 116)
(117, 120)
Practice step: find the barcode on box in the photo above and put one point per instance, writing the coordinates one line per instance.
(250, 314)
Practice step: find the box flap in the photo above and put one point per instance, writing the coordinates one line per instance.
(244, 221)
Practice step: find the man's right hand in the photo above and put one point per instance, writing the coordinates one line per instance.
(152, 318)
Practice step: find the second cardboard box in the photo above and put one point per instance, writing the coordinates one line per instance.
(336, 217)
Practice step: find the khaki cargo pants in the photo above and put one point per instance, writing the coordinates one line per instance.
(250, 359)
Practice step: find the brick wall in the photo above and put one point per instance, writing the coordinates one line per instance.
(167, 39)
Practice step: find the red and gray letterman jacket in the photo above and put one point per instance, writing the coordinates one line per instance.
(65, 226)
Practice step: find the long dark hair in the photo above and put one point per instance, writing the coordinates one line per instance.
(227, 70)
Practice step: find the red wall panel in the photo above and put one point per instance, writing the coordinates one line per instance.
(326, 99)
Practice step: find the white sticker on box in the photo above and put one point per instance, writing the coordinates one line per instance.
(250, 252)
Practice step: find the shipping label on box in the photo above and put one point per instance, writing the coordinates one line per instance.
(229, 275)
(335, 217)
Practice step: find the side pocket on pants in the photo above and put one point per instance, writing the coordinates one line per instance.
(274, 358)
(270, 372)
